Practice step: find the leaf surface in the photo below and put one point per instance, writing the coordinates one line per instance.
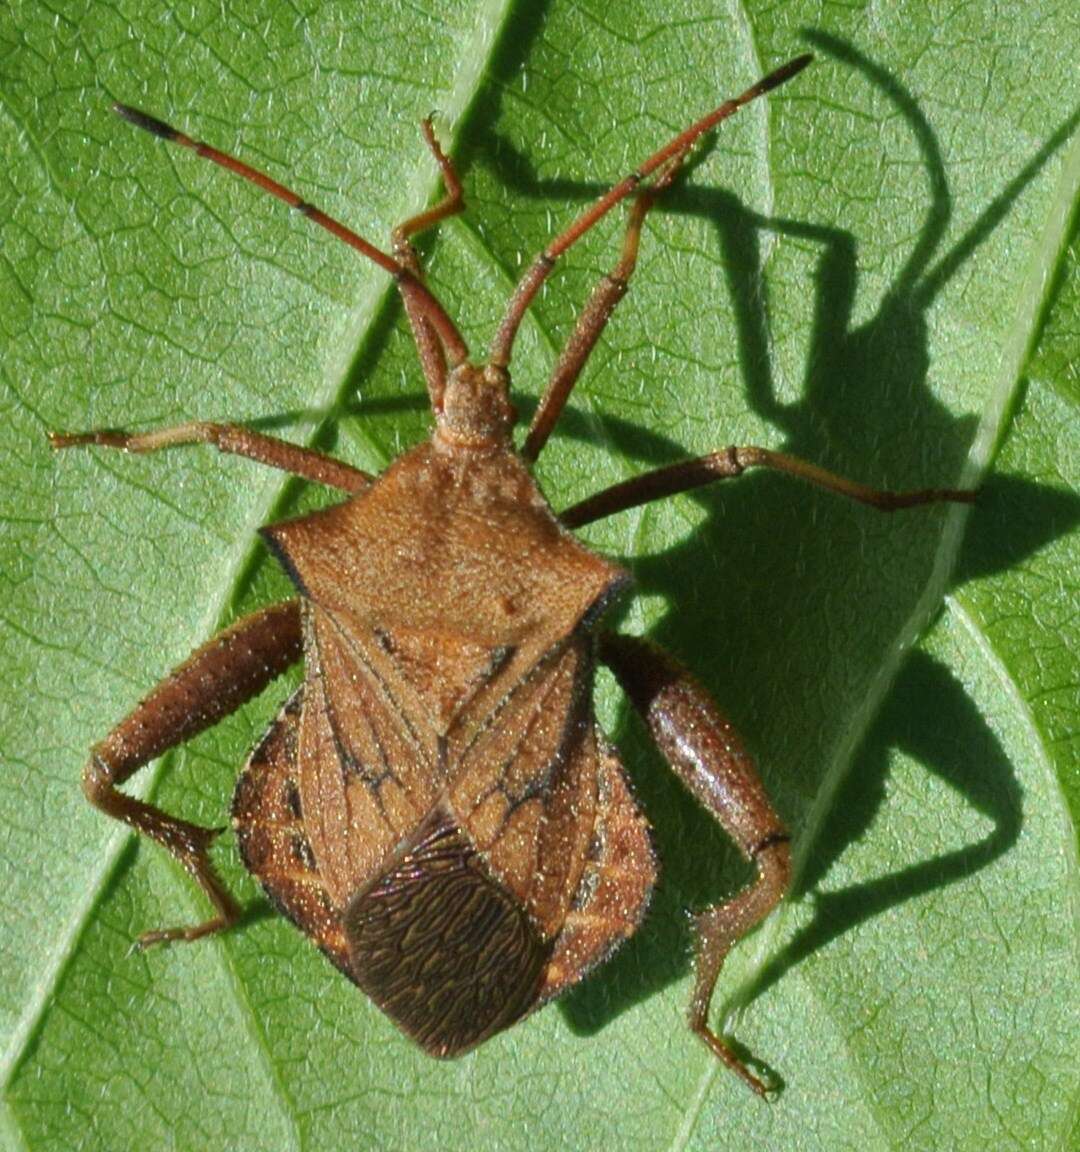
(875, 269)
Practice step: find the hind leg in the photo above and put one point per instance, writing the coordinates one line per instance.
(706, 753)
(214, 681)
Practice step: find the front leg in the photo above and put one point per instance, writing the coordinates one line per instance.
(708, 756)
(215, 680)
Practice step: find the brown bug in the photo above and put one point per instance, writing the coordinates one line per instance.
(435, 806)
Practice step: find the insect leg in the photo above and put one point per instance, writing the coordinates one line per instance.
(593, 319)
(430, 348)
(707, 755)
(450, 205)
(540, 269)
(413, 292)
(733, 461)
(233, 439)
(215, 680)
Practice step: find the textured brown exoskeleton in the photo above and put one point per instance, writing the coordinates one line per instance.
(435, 806)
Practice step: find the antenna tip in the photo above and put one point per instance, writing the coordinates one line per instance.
(147, 123)
(793, 67)
(782, 74)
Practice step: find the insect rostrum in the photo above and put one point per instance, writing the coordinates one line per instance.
(435, 806)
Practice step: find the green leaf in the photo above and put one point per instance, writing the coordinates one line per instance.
(875, 268)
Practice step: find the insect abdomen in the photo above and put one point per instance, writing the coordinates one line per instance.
(440, 945)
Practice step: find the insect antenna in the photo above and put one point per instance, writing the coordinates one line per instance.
(537, 273)
(408, 284)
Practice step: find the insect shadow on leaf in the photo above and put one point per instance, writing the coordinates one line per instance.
(435, 806)
(859, 376)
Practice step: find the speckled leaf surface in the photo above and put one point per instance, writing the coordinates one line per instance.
(876, 269)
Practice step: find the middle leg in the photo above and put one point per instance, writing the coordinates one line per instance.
(230, 439)
(734, 461)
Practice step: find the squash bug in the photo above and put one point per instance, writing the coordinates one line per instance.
(435, 806)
